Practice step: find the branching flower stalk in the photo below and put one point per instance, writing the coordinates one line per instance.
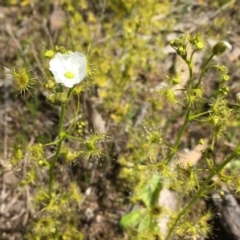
(203, 187)
(183, 53)
(218, 49)
(187, 115)
(68, 69)
(216, 117)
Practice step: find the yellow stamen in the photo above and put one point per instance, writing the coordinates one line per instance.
(69, 74)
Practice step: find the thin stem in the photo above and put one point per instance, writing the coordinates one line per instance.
(76, 115)
(204, 70)
(190, 68)
(58, 150)
(202, 189)
(51, 143)
(73, 137)
(187, 116)
(199, 115)
(61, 137)
(180, 134)
(61, 121)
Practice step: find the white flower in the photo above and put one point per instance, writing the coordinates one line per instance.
(68, 69)
(228, 45)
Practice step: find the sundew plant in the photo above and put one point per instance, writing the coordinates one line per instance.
(67, 75)
(164, 167)
(149, 122)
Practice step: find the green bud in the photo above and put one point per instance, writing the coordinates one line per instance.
(198, 41)
(223, 89)
(51, 99)
(199, 45)
(225, 77)
(182, 52)
(222, 69)
(60, 49)
(172, 43)
(58, 99)
(238, 97)
(221, 47)
(40, 162)
(176, 43)
(49, 84)
(61, 98)
(49, 54)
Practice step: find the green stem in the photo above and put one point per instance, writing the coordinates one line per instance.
(51, 143)
(76, 115)
(190, 68)
(73, 137)
(61, 137)
(187, 116)
(204, 70)
(202, 189)
(180, 134)
(58, 150)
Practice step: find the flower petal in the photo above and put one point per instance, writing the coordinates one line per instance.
(74, 62)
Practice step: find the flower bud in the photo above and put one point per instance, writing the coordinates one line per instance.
(199, 45)
(223, 89)
(58, 99)
(222, 69)
(49, 54)
(61, 98)
(238, 97)
(80, 126)
(172, 43)
(51, 99)
(60, 49)
(221, 47)
(198, 41)
(225, 77)
(40, 162)
(182, 52)
(49, 84)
